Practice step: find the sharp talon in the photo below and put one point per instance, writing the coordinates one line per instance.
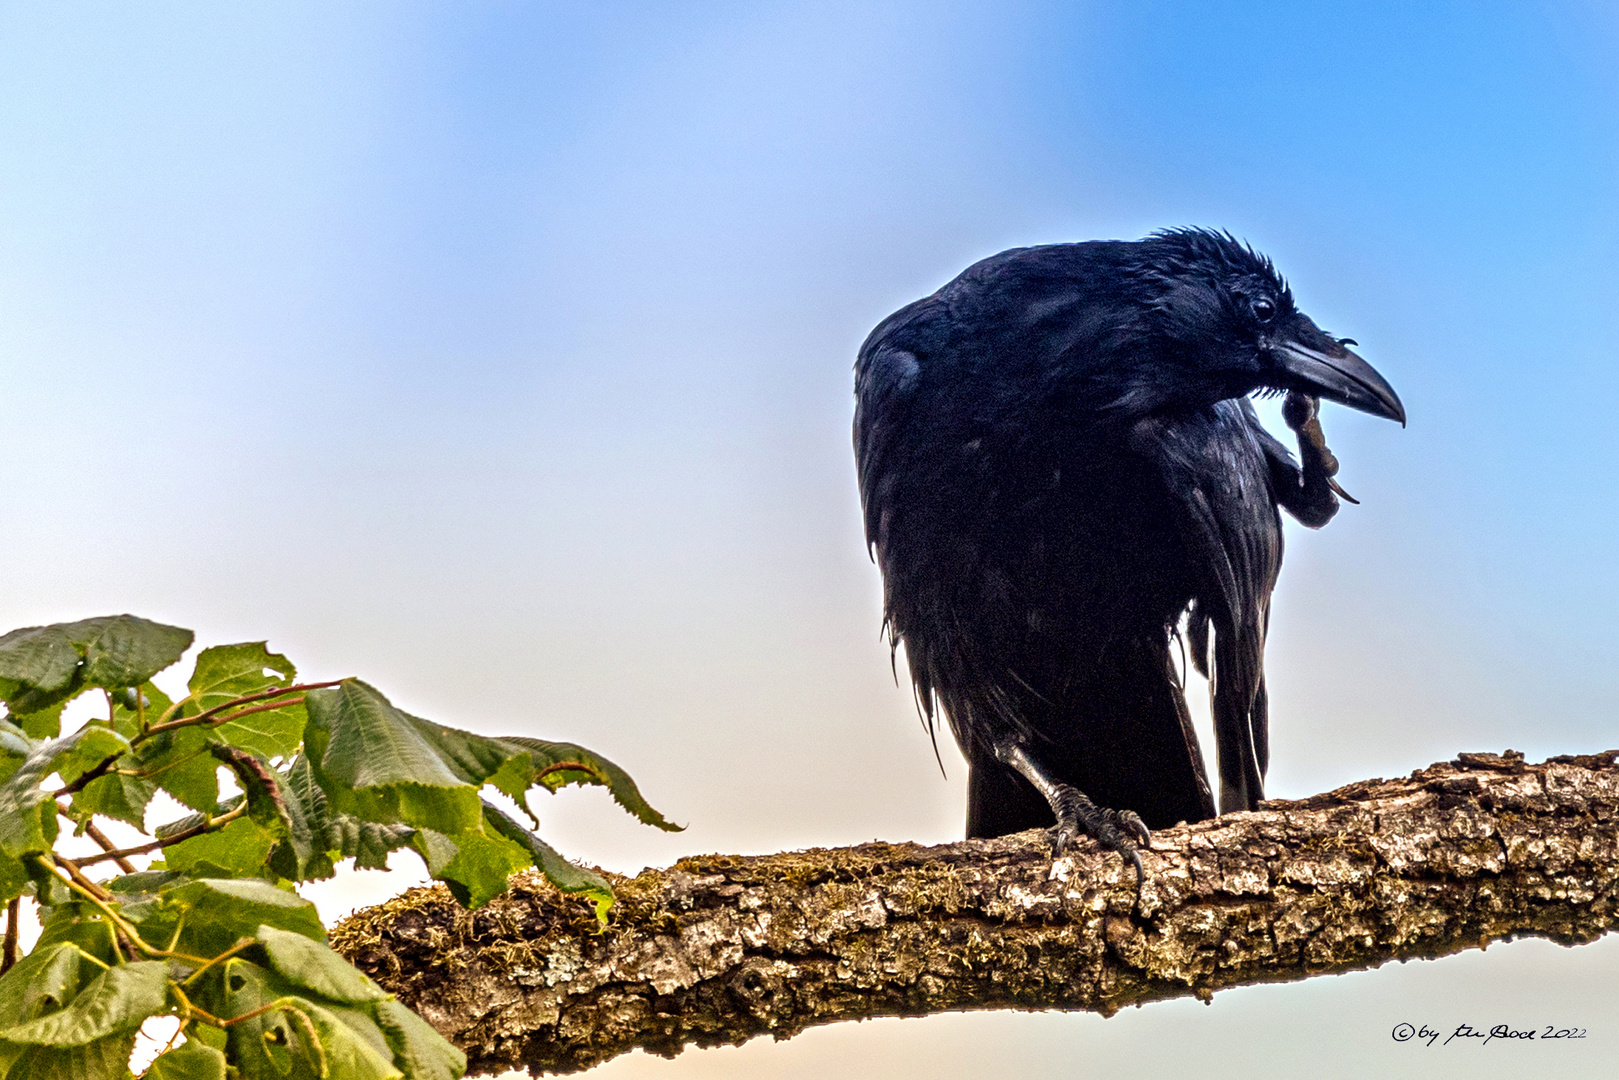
(1136, 828)
(1342, 494)
(1114, 830)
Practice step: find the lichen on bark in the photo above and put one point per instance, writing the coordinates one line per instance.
(719, 949)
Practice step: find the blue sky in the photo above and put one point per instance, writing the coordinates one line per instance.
(500, 354)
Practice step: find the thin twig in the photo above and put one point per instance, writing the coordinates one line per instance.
(178, 1031)
(107, 846)
(73, 871)
(279, 691)
(191, 1009)
(101, 768)
(95, 772)
(122, 929)
(123, 936)
(13, 913)
(216, 721)
(241, 944)
(166, 841)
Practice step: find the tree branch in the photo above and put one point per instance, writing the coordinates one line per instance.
(719, 949)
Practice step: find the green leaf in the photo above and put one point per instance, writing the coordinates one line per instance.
(39, 657)
(304, 851)
(191, 821)
(179, 762)
(114, 794)
(514, 764)
(103, 1059)
(372, 762)
(85, 749)
(294, 1037)
(135, 704)
(436, 849)
(309, 965)
(479, 870)
(385, 765)
(155, 921)
(15, 745)
(359, 1019)
(597, 770)
(240, 849)
(191, 1060)
(473, 758)
(269, 732)
(142, 883)
(14, 878)
(343, 835)
(43, 723)
(176, 760)
(268, 1044)
(44, 666)
(117, 1000)
(367, 842)
(116, 650)
(348, 1053)
(227, 672)
(299, 853)
(559, 871)
(28, 813)
(125, 650)
(39, 983)
(117, 796)
(42, 706)
(120, 795)
(420, 1051)
(78, 924)
(274, 733)
(218, 912)
(14, 750)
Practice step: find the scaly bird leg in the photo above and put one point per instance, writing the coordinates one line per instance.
(1300, 411)
(1116, 830)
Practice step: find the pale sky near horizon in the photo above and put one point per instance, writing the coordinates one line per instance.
(500, 354)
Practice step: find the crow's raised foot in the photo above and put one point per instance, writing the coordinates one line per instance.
(1116, 830)
(1301, 412)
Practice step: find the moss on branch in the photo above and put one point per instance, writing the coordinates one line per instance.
(719, 949)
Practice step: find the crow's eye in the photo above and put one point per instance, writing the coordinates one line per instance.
(1264, 310)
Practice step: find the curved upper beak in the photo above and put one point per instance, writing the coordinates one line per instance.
(1333, 372)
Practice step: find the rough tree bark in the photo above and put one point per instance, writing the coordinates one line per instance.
(719, 949)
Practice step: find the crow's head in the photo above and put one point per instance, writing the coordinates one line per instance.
(1225, 323)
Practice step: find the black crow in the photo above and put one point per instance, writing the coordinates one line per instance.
(1060, 469)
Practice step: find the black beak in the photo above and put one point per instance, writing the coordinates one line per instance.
(1331, 371)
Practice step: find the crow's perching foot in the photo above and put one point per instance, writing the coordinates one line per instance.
(1116, 830)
